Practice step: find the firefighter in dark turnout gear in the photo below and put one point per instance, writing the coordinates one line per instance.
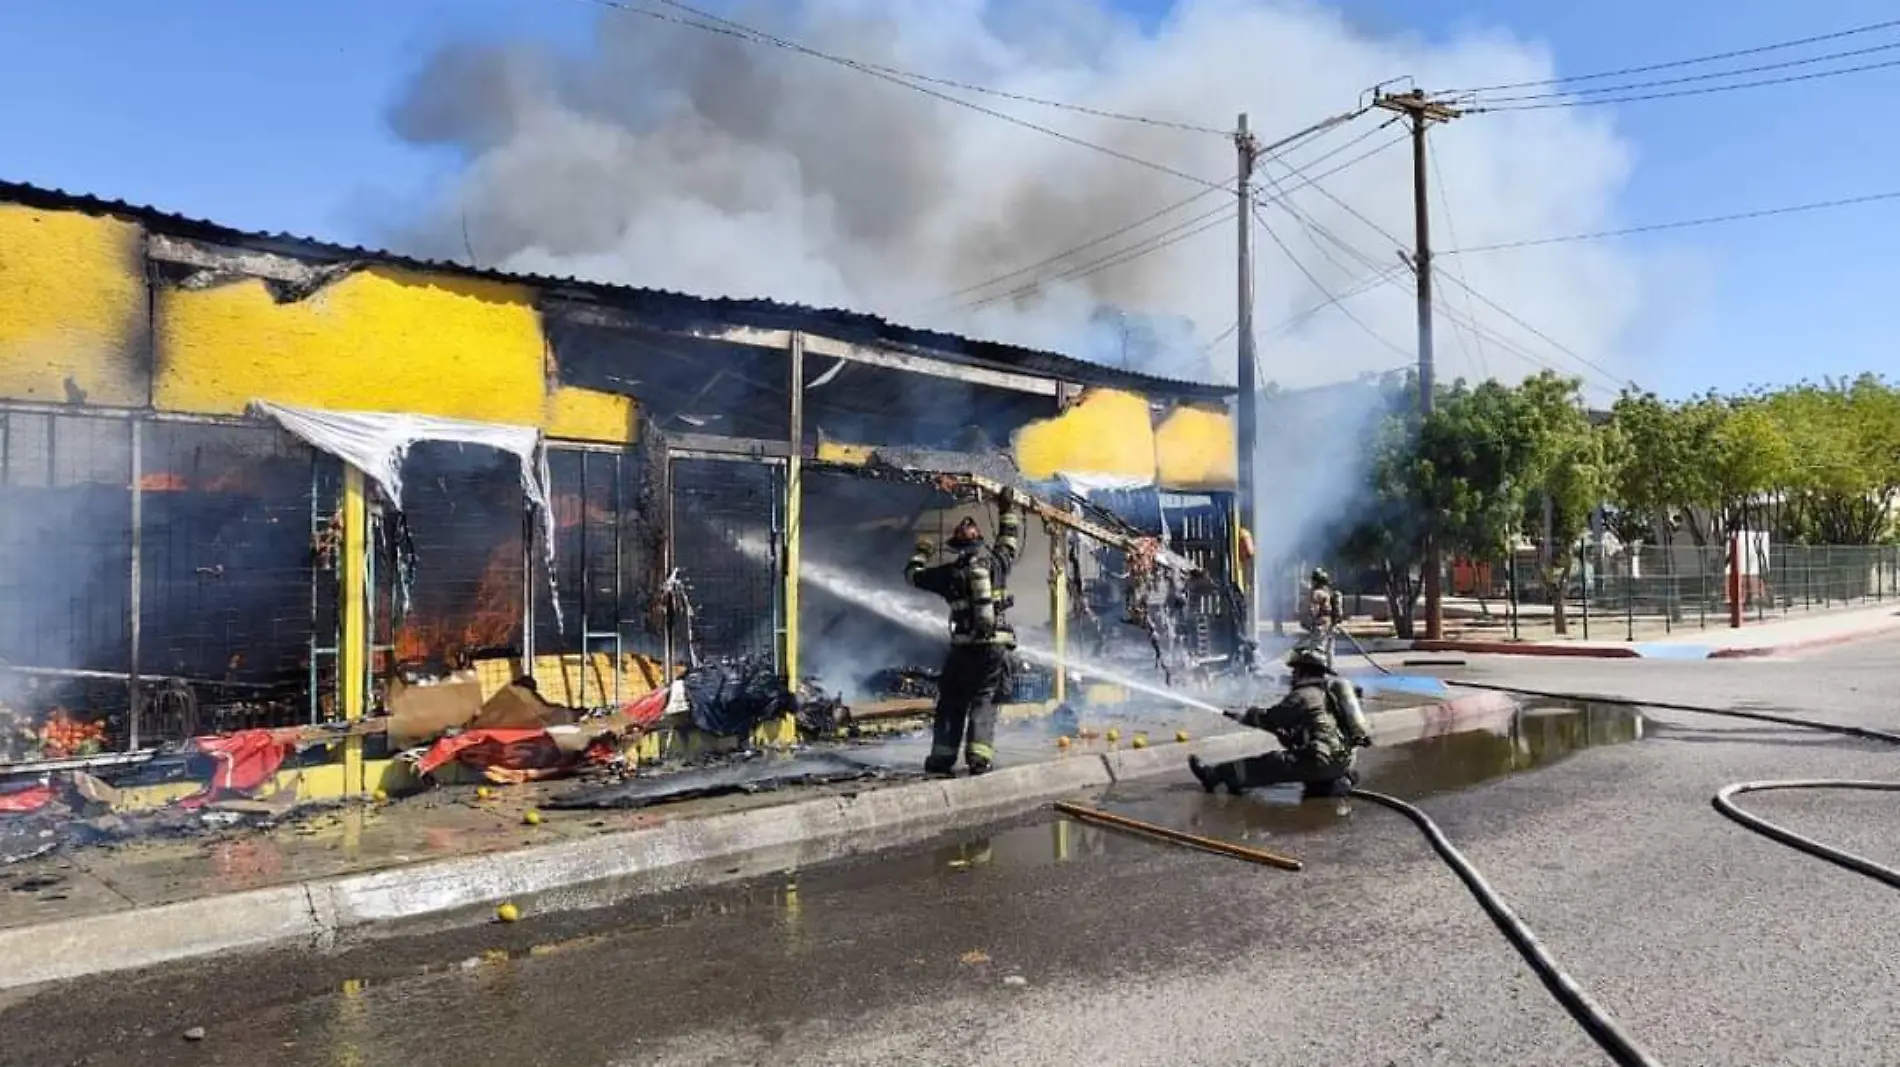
(978, 667)
(1320, 728)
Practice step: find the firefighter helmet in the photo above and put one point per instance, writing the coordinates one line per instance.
(966, 536)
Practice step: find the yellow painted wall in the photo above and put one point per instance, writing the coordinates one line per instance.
(585, 415)
(72, 308)
(1194, 449)
(1108, 432)
(377, 340)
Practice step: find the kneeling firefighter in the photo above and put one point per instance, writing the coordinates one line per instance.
(1320, 728)
(978, 668)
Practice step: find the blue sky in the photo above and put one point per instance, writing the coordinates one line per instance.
(270, 115)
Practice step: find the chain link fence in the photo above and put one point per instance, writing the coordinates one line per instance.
(1648, 591)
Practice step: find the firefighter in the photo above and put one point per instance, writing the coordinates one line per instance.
(1319, 725)
(978, 668)
(1321, 612)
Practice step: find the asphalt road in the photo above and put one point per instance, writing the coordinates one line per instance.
(1054, 944)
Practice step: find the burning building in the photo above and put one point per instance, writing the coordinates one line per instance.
(249, 479)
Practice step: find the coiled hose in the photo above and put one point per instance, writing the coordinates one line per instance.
(1610, 1037)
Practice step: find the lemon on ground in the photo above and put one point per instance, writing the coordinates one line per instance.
(508, 913)
(531, 817)
(1141, 741)
(1181, 735)
(1113, 735)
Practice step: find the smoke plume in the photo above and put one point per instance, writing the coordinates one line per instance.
(665, 156)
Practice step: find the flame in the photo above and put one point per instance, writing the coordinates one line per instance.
(569, 508)
(162, 482)
(493, 621)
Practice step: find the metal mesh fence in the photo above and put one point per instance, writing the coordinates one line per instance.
(726, 522)
(1654, 590)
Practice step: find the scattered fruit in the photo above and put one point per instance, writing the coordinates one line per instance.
(381, 796)
(508, 913)
(1181, 736)
(484, 793)
(1113, 735)
(531, 817)
(1063, 741)
(1141, 741)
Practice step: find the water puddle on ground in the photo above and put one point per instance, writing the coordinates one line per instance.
(1536, 735)
(783, 907)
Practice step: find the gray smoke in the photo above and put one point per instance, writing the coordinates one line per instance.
(669, 157)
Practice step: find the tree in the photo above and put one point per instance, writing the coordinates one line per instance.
(1574, 465)
(1387, 530)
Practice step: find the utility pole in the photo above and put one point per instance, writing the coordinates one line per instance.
(1423, 112)
(1247, 151)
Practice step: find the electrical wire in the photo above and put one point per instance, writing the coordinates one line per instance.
(1789, 79)
(715, 24)
(1682, 224)
(1688, 78)
(1085, 246)
(1285, 143)
(744, 33)
(1595, 1021)
(1165, 239)
(1451, 230)
(1678, 63)
(1333, 300)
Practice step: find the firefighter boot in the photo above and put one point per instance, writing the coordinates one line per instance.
(941, 766)
(1209, 777)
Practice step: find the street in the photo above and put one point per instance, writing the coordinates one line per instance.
(1045, 942)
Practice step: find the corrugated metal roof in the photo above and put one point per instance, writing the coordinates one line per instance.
(841, 324)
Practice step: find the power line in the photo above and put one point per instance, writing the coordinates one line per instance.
(1786, 80)
(1677, 225)
(1451, 230)
(1676, 63)
(1541, 335)
(1469, 323)
(1332, 300)
(1085, 246)
(741, 32)
(1354, 161)
(1687, 78)
(730, 28)
(1167, 238)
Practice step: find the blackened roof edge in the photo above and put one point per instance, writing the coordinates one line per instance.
(843, 325)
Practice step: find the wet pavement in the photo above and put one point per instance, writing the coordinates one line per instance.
(380, 1002)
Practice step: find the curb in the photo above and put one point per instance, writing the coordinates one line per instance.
(597, 871)
(1805, 645)
(1520, 648)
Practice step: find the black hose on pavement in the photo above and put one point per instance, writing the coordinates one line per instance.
(1602, 1029)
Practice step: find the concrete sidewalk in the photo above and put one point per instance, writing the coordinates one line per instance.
(1777, 637)
(447, 858)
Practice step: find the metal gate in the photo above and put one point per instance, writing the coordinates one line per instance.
(727, 548)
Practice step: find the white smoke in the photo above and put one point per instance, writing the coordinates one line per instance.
(669, 157)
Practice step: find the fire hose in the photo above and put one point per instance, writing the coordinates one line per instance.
(1595, 1021)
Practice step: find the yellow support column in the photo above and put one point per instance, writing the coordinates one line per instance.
(794, 505)
(1059, 607)
(353, 646)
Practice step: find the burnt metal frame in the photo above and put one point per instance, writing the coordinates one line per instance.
(136, 420)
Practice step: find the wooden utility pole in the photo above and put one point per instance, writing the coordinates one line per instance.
(1423, 112)
(1247, 151)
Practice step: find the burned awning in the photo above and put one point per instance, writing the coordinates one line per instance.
(377, 442)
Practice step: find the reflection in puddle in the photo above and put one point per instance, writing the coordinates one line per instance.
(1534, 736)
(799, 911)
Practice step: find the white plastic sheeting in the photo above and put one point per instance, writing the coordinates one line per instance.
(377, 442)
(1087, 485)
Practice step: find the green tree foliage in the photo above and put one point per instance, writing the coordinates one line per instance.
(1815, 463)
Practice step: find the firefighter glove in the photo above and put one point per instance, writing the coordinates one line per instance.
(1008, 499)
